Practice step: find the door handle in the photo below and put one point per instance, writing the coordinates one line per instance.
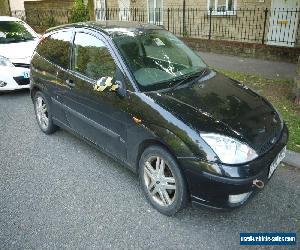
(70, 83)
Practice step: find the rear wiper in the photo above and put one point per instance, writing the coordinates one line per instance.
(202, 73)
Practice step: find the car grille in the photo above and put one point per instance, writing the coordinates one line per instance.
(22, 65)
(21, 80)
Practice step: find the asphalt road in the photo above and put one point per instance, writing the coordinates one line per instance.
(57, 192)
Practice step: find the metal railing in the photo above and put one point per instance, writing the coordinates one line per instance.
(271, 26)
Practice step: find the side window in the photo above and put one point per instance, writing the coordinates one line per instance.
(92, 58)
(56, 47)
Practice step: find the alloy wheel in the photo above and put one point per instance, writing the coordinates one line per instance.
(159, 181)
(42, 112)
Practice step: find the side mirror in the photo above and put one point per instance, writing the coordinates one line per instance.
(120, 88)
(103, 83)
(107, 83)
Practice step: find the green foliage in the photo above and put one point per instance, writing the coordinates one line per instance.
(298, 66)
(185, 33)
(79, 12)
(49, 22)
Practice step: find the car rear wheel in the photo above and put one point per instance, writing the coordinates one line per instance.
(43, 113)
(162, 181)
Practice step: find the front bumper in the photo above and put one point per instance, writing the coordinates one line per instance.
(12, 78)
(210, 184)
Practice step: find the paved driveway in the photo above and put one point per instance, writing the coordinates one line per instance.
(58, 192)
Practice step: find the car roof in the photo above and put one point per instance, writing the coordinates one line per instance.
(112, 28)
(9, 18)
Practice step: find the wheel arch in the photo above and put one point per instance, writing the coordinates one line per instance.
(167, 140)
(36, 88)
(33, 91)
(147, 143)
(156, 142)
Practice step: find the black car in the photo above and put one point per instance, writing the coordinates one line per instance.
(138, 93)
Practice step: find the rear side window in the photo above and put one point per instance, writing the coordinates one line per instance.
(92, 58)
(56, 48)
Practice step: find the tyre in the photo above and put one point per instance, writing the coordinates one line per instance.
(162, 181)
(43, 113)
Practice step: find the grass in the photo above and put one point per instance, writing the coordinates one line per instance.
(278, 92)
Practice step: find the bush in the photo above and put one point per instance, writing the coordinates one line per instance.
(79, 12)
(50, 22)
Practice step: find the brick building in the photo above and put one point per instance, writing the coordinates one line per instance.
(230, 18)
(273, 22)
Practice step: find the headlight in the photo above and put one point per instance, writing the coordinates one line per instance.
(5, 62)
(229, 150)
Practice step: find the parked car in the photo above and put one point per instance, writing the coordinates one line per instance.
(139, 94)
(17, 43)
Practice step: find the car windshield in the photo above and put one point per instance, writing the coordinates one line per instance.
(157, 58)
(14, 31)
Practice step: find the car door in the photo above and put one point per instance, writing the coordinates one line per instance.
(97, 116)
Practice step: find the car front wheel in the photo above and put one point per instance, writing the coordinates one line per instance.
(162, 181)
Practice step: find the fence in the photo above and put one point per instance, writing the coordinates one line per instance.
(272, 26)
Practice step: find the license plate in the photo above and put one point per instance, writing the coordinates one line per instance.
(276, 162)
(26, 75)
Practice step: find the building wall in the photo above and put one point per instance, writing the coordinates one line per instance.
(17, 5)
(247, 25)
(202, 4)
(47, 13)
(48, 4)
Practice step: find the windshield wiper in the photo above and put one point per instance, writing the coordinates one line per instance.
(198, 74)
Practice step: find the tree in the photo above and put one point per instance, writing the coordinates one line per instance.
(79, 12)
(91, 9)
(297, 84)
(4, 8)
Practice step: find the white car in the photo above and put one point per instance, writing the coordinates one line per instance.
(17, 43)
